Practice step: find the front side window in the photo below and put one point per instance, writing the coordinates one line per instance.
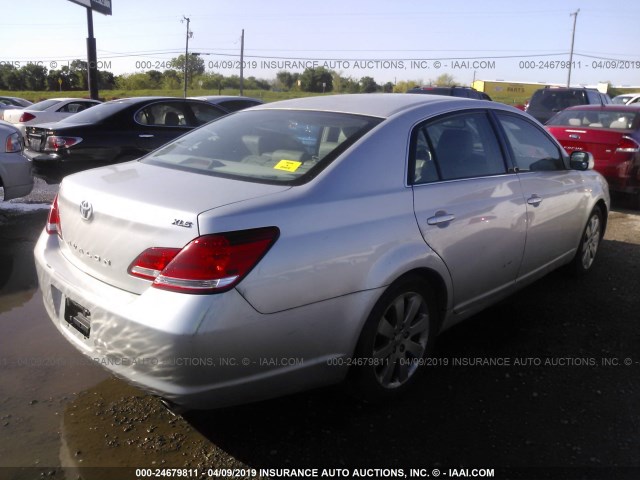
(164, 114)
(454, 147)
(270, 146)
(204, 112)
(531, 149)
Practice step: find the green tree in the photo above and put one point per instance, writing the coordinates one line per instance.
(368, 85)
(134, 81)
(106, 80)
(285, 79)
(404, 85)
(34, 77)
(171, 79)
(155, 78)
(387, 87)
(9, 77)
(78, 68)
(316, 80)
(195, 66)
(444, 80)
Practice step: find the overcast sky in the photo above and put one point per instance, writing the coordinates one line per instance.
(389, 41)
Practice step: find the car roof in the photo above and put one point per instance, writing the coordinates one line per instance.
(221, 98)
(608, 106)
(382, 105)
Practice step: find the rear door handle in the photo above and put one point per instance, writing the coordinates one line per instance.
(146, 135)
(534, 200)
(440, 217)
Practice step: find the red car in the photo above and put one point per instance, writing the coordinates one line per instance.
(612, 134)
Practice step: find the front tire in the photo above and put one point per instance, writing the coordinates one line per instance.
(589, 243)
(395, 340)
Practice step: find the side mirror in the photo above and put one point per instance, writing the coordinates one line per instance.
(581, 161)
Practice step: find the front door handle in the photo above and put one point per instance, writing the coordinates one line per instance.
(146, 135)
(534, 200)
(440, 217)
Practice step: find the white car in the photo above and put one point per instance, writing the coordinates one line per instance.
(46, 111)
(627, 98)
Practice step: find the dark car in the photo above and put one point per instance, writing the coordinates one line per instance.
(548, 101)
(113, 132)
(455, 91)
(231, 103)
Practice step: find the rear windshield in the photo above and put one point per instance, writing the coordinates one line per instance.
(96, 113)
(556, 100)
(616, 120)
(43, 105)
(269, 146)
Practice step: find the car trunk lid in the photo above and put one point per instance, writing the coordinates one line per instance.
(602, 143)
(110, 215)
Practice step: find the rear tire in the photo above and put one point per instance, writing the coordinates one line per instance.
(395, 340)
(589, 243)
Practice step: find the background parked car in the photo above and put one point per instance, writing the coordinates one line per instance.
(231, 103)
(626, 99)
(455, 91)
(50, 110)
(548, 101)
(612, 134)
(113, 132)
(15, 169)
(282, 266)
(10, 103)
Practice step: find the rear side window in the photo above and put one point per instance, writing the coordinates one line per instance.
(454, 147)
(167, 114)
(531, 149)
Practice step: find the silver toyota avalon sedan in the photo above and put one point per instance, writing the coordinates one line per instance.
(311, 241)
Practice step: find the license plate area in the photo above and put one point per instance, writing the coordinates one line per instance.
(77, 316)
(34, 142)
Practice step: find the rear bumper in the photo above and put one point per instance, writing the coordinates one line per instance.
(52, 168)
(201, 351)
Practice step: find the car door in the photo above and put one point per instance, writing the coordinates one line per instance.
(551, 191)
(470, 210)
(162, 121)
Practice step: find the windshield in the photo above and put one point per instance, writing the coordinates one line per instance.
(613, 119)
(270, 146)
(95, 114)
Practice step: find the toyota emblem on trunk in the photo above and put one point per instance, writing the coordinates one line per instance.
(86, 210)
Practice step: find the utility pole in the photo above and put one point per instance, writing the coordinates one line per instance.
(186, 55)
(573, 36)
(242, 63)
(92, 58)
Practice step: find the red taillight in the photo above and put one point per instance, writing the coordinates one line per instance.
(152, 262)
(628, 145)
(208, 264)
(25, 117)
(53, 222)
(54, 143)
